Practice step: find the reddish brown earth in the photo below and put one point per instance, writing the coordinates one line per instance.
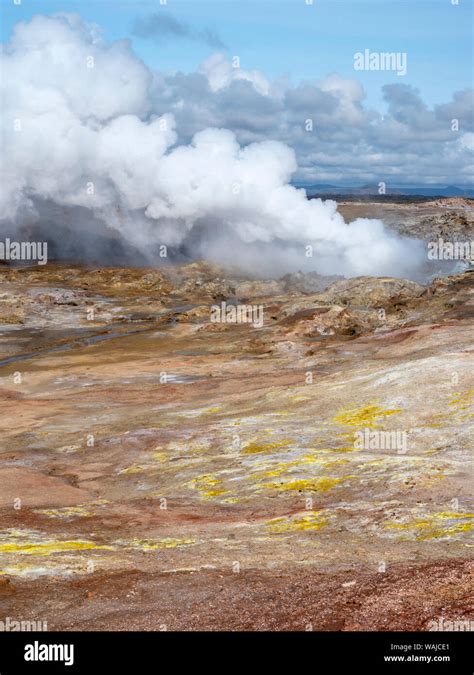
(405, 598)
(160, 470)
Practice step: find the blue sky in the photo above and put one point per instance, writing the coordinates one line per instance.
(288, 37)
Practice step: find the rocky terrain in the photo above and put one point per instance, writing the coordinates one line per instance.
(449, 217)
(159, 470)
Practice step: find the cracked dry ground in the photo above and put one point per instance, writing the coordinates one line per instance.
(160, 471)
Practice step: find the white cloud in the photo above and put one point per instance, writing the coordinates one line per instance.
(220, 73)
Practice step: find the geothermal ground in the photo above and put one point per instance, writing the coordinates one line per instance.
(160, 471)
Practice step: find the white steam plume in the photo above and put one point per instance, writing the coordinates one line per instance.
(79, 131)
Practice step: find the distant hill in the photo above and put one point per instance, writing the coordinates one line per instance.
(367, 190)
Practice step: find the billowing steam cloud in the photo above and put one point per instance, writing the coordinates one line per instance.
(81, 135)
